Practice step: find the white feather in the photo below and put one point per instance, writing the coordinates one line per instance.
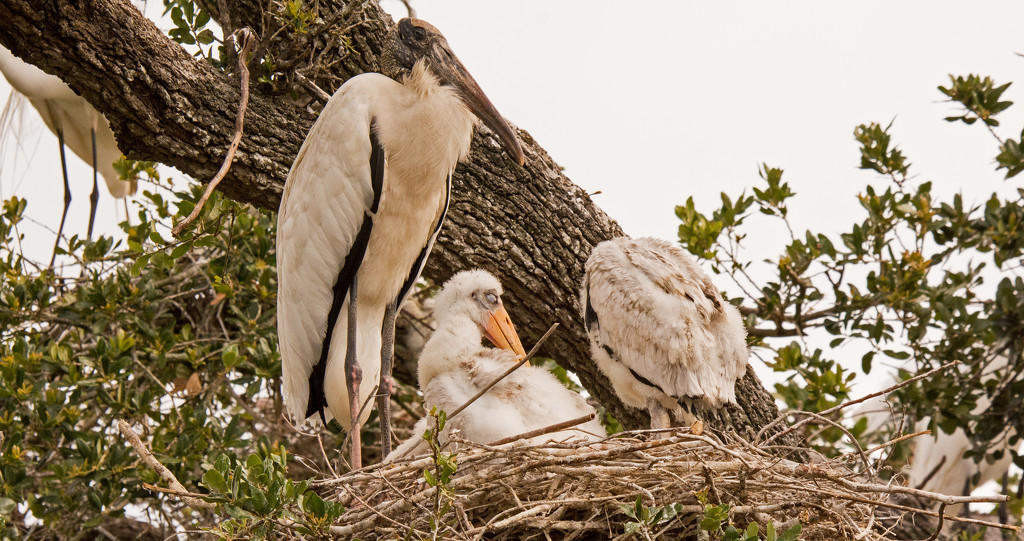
(662, 318)
(63, 110)
(425, 129)
(455, 366)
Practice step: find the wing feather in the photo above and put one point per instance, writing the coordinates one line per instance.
(664, 320)
(329, 191)
(421, 260)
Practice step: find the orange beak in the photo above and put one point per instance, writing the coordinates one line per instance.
(502, 333)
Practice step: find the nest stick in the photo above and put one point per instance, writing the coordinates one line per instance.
(515, 367)
(546, 430)
(894, 441)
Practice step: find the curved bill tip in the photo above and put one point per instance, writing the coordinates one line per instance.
(518, 154)
(500, 331)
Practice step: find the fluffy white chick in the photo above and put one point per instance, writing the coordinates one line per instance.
(455, 366)
(660, 330)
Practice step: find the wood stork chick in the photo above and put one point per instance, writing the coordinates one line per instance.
(76, 124)
(660, 330)
(455, 366)
(361, 208)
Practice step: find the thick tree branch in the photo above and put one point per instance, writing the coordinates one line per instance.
(531, 226)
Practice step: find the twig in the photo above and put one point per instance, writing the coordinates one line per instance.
(938, 527)
(926, 512)
(546, 430)
(408, 7)
(312, 87)
(147, 456)
(515, 367)
(847, 404)
(323, 452)
(895, 441)
(248, 41)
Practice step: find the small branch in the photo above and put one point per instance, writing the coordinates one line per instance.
(248, 41)
(515, 367)
(917, 510)
(147, 456)
(546, 430)
(938, 527)
(847, 404)
(895, 441)
(409, 8)
(311, 87)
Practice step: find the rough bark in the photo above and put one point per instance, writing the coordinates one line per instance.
(531, 226)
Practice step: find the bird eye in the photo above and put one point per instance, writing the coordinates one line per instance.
(418, 33)
(492, 298)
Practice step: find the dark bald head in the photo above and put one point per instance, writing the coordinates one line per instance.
(418, 41)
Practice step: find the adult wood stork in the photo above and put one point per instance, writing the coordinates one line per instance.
(362, 205)
(660, 330)
(454, 367)
(76, 124)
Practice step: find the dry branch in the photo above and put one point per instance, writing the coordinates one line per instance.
(248, 42)
(147, 456)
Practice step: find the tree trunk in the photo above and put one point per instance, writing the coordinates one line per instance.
(531, 226)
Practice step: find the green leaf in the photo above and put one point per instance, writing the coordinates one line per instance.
(180, 250)
(7, 506)
(215, 481)
(230, 356)
(205, 36)
(791, 534)
(202, 18)
(140, 264)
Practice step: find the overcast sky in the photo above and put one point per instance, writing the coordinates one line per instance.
(650, 103)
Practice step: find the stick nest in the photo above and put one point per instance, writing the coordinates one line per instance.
(581, 491)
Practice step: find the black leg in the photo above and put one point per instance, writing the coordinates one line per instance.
(353, 377)
(94, 197)
(387, 355)
(1004, 513)
(67, 194)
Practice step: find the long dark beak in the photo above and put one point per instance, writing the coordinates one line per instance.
(453, 73)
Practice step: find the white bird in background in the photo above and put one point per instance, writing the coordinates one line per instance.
(660, 330)
(363, 203)
(76, 124)
(454, 367)
(937, 462)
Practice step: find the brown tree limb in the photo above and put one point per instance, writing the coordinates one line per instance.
(530, 226)
(545, 430)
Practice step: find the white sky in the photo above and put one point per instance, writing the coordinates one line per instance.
(670, 99)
